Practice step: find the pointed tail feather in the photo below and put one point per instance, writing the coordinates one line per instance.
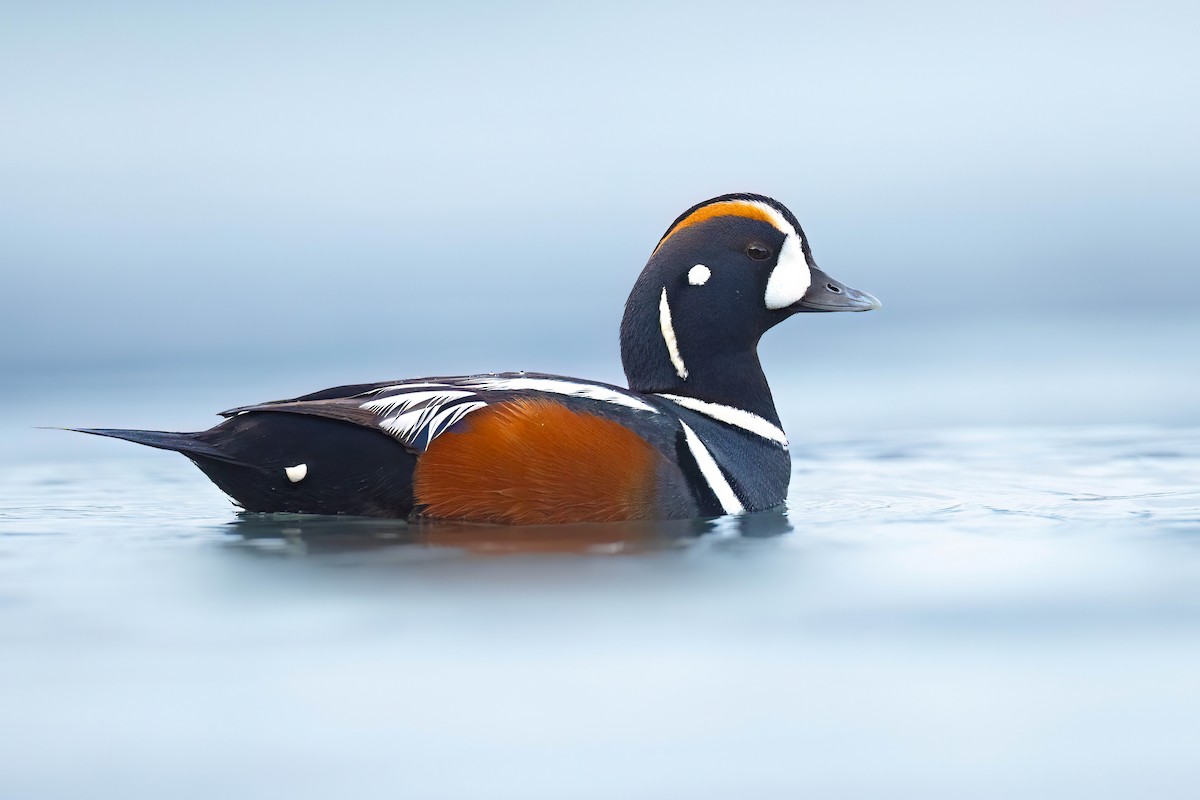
(190, 444)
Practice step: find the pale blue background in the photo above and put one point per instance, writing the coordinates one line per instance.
(314, 193)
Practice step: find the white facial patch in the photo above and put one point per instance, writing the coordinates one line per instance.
(790, 278)
(699, 275)
(668, 334)
(297, 473)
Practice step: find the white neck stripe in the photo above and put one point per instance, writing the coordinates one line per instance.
(728, 499)
(731, 416)
(668, 334)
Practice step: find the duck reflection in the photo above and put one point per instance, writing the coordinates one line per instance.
(303, 534)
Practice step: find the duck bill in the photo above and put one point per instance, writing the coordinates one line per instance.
(828, 294)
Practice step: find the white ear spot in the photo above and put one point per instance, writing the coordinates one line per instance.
(699, 275)
(297, 473)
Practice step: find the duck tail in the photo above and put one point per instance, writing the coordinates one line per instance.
(190, 444)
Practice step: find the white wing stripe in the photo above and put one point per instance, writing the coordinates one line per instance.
(418, 417)
(569, 388)
(395, 387)
(405, 426)
(446, 419)
(405, 401)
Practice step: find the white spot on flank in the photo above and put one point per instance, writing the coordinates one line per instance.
(699, 275)
(668, 334)
(712, 473)
(297, 473)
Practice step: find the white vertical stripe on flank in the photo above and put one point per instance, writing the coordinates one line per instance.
(712, 473)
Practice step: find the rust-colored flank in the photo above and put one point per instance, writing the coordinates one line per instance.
(725, 208)
(534, 461)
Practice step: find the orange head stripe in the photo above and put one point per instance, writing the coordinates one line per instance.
(725, 208)
(534, 461)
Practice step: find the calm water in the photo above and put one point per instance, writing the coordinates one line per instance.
(987, 613)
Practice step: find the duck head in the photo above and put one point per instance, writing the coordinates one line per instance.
(725, 272)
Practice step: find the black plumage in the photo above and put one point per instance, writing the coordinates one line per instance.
(349, 469)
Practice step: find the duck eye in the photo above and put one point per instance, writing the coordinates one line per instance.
(758, 252)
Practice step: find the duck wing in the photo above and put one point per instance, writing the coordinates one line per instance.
(417, 411)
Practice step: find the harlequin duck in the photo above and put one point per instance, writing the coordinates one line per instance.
(695, 434)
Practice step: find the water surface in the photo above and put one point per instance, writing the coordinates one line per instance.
(987, 613)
